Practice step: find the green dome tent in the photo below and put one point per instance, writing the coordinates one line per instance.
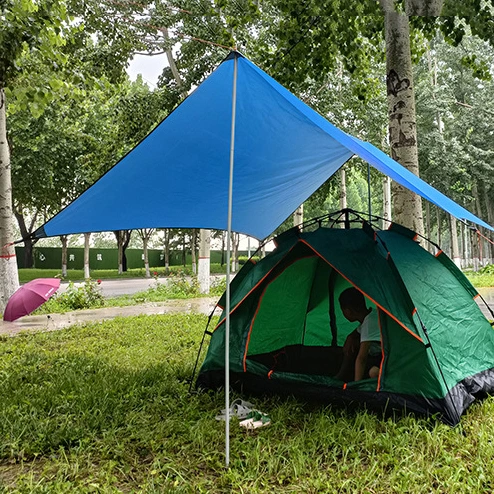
(287, 328)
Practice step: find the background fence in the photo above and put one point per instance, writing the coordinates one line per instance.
(51, 258)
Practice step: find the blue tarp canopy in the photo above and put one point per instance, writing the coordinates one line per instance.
(178, 176)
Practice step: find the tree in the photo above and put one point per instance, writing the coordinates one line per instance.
(123, 239)
(145, 234)
(24, 27)
(54, 151)
(455, 122)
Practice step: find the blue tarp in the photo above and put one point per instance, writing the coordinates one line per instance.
(177, 177)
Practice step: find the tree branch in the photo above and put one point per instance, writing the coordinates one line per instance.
(470, 107)
(149, 54)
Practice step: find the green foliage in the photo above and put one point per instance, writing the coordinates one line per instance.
(243, 259)
(26, 26)
(454, 123)
(218, 287)
(105, 408)
(85, 296)
(489, 269)
(482, 279)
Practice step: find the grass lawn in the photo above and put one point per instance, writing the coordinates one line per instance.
(481, 280)
(26, 275)
(105, 408)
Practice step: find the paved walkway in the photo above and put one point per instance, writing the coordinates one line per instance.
(53, 322)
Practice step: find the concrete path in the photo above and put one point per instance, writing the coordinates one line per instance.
(129, 286)
(53, 322)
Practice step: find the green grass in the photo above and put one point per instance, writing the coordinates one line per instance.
(26, 275)
(481, 280)
(105, 408)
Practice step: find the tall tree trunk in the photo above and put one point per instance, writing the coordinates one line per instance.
(490, 219)
(235, 244)
(428, 224)
(474, 241)
(407, 206)
(298, 216)
(478, 211)
(343, 194)
(466, 245)
(118, 235)
(166, 248)
(455, 251)
(8, 263)
(28, 241)
(203, 272)
(193, 251)
(145, 234)
(145, 241)
(127, 234)
(232, 257)
(204, 261)
(184, 252)
(64, 239)
(87, 273)
(439, 220)
(123, 238)
(222, 248)
(386, 201)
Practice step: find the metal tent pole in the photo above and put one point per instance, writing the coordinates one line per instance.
(369, 191)
(228, 260)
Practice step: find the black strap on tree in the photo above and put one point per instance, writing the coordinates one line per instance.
(332, 312)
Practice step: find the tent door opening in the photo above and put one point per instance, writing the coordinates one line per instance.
(298, 325)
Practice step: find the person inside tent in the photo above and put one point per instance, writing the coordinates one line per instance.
(362, 349)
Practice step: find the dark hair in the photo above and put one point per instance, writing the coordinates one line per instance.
(352, 299)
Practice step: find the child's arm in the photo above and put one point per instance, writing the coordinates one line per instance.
(361, 360)
(352, 343)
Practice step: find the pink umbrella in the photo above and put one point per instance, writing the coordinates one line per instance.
(29, 297)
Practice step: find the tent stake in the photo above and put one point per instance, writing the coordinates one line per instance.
(228, 260)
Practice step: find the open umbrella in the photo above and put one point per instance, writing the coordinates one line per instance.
(29, 297)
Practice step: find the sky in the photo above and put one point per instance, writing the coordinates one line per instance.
(149, 67)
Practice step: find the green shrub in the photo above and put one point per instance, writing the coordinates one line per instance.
(178, 286)
(85, 296)
(243, 259)
(489, 269)
(218, 287)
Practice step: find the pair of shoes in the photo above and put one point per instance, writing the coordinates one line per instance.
(239, 408)
(255, 420)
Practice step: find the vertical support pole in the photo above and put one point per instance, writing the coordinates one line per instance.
(228, 261)
(369, 192)
(347, 219)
